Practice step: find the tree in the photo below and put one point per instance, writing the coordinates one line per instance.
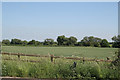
(104, 43)
(72, 40)
(32, 42)
(79, 44)
(37, 43)
(55, 44)
(24, 43)
(66, 41)
(96, 44)
(61, 40)
(16, 41)
(48, 42)
(91, 41)
(116, 42)
(6, 42)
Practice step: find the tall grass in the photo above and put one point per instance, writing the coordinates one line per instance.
(60, 68)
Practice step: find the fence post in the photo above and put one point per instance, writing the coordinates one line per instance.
(51, 58)
(18, 55)
(108, 58)
(83, 60)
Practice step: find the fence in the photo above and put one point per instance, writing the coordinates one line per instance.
(52, 57)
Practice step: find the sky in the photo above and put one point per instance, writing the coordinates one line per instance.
(41, 20)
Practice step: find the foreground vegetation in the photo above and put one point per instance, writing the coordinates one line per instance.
(59, 68)
(88, 52)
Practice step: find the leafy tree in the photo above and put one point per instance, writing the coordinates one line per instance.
(6, 42)
(61, 40)
(96, 44)
(104, 43)
(78, 44)
(16, 41)
(91, 41)
(48, 42)
(32, 42)
(116, 42)
(85, 41)
(55, 44)
(37, 43)
(24, 43)
(72, 40)
(66, 41)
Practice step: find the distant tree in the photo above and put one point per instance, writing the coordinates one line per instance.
(66, 41)
(37, 43)
(85, 41)
(6, 42)
(96, 44)
(55, 44)
(116, 42)
(61, 40)
(104, 43)
(16, 41)
(91, 41)
(24, 43)
(32, 42)
(72, 40)
(48, 42)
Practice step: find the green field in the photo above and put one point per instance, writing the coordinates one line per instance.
(88, 52)
(60, 67)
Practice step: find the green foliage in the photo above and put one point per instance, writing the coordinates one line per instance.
(62, 40)
(116, 61)
(6, 42)
(104, 43)
(116, 42)
(65, 41)
(32, 42)
(91, 41)
(48, 42)
(72, 41)
(16, 41)
(24, 43)
(60, 68)
(96, 44)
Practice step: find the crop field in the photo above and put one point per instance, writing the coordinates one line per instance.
(88, 52)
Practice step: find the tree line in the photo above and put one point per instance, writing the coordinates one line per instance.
(67, 41)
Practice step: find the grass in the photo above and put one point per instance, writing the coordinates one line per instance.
(90, 52)
(61, 68)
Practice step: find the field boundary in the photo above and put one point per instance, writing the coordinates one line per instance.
(52, 56)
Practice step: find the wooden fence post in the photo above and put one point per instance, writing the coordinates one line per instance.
(74, 65)
(108, 58)
(51, 58)
(18, 56)
(83, 60)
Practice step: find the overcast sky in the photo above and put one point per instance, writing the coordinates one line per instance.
(41, 20)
